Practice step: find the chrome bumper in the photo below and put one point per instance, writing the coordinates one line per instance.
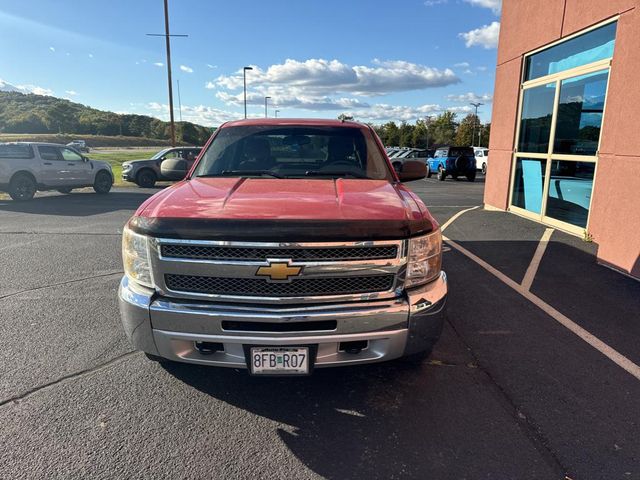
(170, 328)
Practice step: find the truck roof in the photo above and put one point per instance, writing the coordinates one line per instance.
(310, 122)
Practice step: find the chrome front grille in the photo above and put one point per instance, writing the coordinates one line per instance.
(302, 287)
(310, 254)
(234, 271)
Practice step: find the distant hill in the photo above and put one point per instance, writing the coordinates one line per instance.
(38, 114)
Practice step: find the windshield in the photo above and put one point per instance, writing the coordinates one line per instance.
(160, 154)
(293, 152)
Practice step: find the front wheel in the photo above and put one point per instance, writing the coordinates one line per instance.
(103, 182)
(22, 187)
(146, 178)
(441, 173)
(428, 171)
(484, 168)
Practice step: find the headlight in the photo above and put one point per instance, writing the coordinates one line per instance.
(126, 167)
(425, 259)
(135, 256)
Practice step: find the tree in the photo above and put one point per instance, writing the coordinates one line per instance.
(344, 117)
(406, 135)
(443, 129)
(465, 133)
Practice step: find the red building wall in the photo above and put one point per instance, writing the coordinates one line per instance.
(615, 209)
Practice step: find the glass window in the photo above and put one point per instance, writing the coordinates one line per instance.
(580, 114)
(71, 156)
(16, 150)
(590, 47)
(570, 188)
(528, 184)
(49, 153)
(535, 125)
(294, 152)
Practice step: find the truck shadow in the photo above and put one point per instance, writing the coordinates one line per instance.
(80, 204)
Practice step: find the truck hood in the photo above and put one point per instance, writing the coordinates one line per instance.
(283, 210)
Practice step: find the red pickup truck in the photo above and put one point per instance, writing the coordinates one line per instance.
(289, 245)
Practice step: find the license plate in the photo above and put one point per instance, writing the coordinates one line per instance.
(279, 360)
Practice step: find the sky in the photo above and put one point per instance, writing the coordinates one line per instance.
(376, 61)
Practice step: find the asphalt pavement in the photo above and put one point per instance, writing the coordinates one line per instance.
(509, 393)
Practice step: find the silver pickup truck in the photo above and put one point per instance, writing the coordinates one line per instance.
(28, 167)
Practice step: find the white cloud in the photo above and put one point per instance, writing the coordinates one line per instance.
(68, 54)
(211, 66)
(485, 36)
(494, 5)
(431, 3)
(71, 93)
(200, 114)
(52, 49)
(470, 97)
(281, 100)
(8, 87)
(462, 65)
(481, 69)
(184, 68)
(315, 77)
(159, 64)
(91, 55)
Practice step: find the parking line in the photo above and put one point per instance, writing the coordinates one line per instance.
(609, 352)
(455, 217)
(530, 274)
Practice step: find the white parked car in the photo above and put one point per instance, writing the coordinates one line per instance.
(482, 158)
(28, 167)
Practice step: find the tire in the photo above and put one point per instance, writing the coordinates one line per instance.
(418, 358)
(428, 171)
(103, 182)
(471, 177)
(65, 190)
(441, 173)
(146, 178)
(157, 359)
(22, 187)
(484, 168)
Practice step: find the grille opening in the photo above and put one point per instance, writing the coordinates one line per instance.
(258, 287)
(309, 254)
(354, 347)
(209, 348)
(328, 325)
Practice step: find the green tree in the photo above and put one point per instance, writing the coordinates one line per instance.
(406, 135)
(466, 130)
(443, 129)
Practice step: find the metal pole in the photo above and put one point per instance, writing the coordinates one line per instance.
(179, 102)
(244, 77)
(265, 106)
(168, 40)
(473, 135)
(277, 111)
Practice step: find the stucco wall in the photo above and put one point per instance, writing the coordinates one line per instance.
(615, 209)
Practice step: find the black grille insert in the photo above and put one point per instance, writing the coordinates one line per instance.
(258, 287)
(320, 254)
(328, 325)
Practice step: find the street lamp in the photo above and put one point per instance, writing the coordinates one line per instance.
(473, 135)
(244, 77)
(266, 99)
(277, 112)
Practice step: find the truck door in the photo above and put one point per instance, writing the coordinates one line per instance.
(77, 170)
(51, 165)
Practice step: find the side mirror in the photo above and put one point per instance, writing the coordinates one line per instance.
(174, 168)
(412, 170)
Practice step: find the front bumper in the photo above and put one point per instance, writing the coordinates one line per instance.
(392, 328)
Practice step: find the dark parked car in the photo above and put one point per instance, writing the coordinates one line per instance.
(145, 173)
(454, 161)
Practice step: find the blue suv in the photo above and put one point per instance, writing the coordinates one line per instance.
(454, 161)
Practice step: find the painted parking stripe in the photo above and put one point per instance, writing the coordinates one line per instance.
(532, 270)
(444, 226)
(609, 352)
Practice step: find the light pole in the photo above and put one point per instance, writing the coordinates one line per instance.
(277, 112)
(426, 124)
(244, 78)
(167, 37)
(266, 99)
(473, 135)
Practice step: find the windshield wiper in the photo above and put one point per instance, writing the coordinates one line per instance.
(243, 173)
(333, 173)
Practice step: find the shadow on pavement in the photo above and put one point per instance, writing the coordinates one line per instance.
(78, 204)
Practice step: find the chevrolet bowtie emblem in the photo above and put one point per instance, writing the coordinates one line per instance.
(279, 271)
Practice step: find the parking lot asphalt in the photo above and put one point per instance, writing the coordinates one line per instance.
(509, 392)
